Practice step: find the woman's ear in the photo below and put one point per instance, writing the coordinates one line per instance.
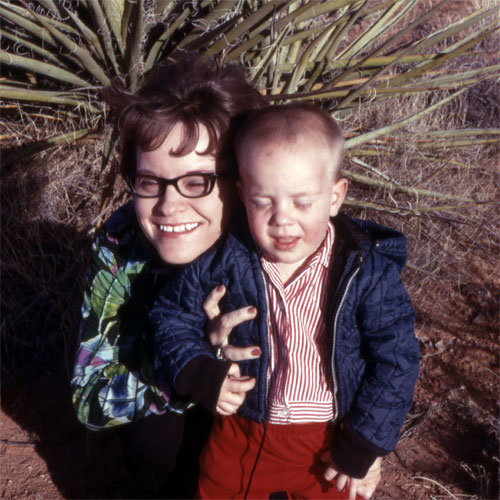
(339, 191)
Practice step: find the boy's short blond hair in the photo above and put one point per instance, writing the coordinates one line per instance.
(288, 123)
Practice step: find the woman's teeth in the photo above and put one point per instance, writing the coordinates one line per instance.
(181, 228)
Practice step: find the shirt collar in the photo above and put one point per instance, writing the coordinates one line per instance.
(324, 252)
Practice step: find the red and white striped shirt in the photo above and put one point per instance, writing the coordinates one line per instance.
(300, 384)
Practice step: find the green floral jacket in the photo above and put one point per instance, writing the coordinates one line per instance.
(116, 378)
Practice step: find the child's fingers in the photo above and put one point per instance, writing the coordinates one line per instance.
(341, 482)
(233, 391)
(221, 329)
(353, 488)
(362, 487)
(242, 386)
(230, 402)
(330, 473)
(211, 303)
(233, 394)
(226, 409)
(233, 372)
(235, 386)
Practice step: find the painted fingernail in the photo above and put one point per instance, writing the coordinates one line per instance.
(252, 310)
(220, 288)
(256, 352)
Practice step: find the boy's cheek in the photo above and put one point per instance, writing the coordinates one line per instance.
(258, 233)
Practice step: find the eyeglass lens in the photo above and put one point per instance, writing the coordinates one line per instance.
(191, 186)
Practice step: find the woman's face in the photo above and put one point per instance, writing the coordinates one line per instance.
(181, 228)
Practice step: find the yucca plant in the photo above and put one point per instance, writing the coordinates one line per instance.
(342, 53)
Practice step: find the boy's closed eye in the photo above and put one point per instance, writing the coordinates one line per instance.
(260, 202)
(303, 204)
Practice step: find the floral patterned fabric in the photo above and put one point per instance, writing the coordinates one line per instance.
(116, 379)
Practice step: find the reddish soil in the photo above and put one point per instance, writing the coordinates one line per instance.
(45, 453)
(448, 449)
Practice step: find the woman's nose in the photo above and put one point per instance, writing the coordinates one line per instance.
(170, 201)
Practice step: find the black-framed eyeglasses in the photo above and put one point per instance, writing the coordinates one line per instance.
(189, 185)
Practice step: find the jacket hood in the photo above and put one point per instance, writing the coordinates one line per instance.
(365, 236)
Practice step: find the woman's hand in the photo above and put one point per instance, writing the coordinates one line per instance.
(235, 387)
(364, 487)
(220, 326)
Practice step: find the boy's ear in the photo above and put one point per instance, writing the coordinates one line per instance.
(339, 191)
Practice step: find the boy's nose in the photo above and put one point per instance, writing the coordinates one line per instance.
(282, 216)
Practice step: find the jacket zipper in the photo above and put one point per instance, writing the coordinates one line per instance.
(334, 337)
(268, 371)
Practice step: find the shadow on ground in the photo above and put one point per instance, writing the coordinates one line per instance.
(43, 263)
(42, 272)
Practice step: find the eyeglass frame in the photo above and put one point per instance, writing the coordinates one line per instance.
(164, 183)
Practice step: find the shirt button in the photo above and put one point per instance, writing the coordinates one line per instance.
(284, 412)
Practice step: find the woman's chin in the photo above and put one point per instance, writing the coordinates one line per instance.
(181, 249)
(176, 256)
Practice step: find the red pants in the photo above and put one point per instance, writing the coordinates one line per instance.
(289, 460)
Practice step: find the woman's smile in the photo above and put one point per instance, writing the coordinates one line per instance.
(177, 229)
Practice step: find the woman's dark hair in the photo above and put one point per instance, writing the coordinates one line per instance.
(193, 91)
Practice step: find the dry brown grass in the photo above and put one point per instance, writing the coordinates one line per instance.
(51, 204)
(414, 159)
(47, 202)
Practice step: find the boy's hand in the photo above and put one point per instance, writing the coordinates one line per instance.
(364, 487)
(220, 326)
(233, 391)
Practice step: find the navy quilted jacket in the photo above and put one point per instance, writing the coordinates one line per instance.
(374, 352)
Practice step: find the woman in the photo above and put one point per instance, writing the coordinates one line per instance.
(176, 160)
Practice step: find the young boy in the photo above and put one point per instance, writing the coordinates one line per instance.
(339, 357)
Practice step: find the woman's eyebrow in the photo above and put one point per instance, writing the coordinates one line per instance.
(146, 171)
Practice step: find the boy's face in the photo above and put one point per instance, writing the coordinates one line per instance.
(289, 193)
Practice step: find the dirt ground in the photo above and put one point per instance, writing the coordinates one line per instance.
(449, 445)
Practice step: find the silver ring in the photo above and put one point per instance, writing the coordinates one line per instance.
(219, 353)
